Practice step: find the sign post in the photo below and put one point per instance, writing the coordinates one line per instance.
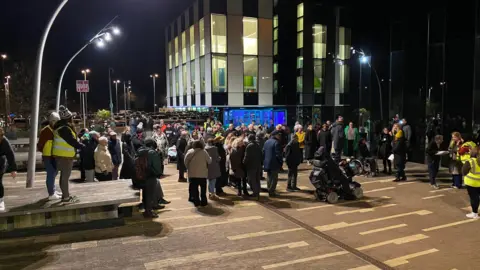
(83, 88)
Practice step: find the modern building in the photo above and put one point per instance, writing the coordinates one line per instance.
(274, 56)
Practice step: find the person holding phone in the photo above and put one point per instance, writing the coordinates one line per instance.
(7, 164)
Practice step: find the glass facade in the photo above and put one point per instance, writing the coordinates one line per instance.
(192, 42)
(201, 24)
(202, 74)
(177, 80)
(219, 33)
(172, 85)
(184, 79)
(299, 62)
(319, 41)
(318, 75)
(170, 55)
(250, 74)
(275, 87)
(299, 84)
(192, 76)
(184, 48)
(344, 40)
(176, 51)
(219, 73)
(275, 68)
(300, 26)
(250, 36)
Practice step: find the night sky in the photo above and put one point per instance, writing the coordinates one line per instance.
(137, 54)
(140, 50)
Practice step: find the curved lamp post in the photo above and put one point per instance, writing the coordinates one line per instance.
(100, 38)
(32, 152)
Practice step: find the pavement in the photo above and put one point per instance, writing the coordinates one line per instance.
(405, 225)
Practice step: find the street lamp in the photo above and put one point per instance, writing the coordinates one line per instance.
(84, 98)
(154, 77)
(105, 34)
(85, 72)
(116, 92)
(7, 95)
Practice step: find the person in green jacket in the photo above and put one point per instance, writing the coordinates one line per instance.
(352, 136)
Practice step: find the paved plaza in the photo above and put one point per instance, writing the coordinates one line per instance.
(396, 225)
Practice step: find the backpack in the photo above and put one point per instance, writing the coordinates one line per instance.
(141, 167)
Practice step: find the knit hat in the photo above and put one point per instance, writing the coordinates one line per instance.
(64, 113)
(53, 117)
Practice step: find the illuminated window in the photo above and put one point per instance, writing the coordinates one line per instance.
(319, 41)
(202, 37)
(344, 40)
(344, 79)
(299, 84)
(300, 24)
(250, 74)
(300, 10)
(219, 33)
(299, 40)
(170, 55)
(192, 76)
(184, 79)
(250, 36)
(172, 91)
(275, 34)
(184, 48)
(275, 86)
(275, 21)
(177, 84)
(219, 73)
(300, 62)
(192, 42)
(202, 74)
(176, 51)
(318, 75)
(275, 68)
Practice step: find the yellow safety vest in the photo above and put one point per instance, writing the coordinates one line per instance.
(47, 148)
(465, 157)
(60, 147)
(473, 177)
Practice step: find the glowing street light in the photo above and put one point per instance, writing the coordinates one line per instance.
(364, 59)
(154, 77)
(4, 56)
(100, 39)
(85, 72)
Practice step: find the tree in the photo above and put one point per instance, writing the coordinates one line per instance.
(103, 115)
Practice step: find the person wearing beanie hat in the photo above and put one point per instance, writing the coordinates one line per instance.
(64, 150)
(44, 145)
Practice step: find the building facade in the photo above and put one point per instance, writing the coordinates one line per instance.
(220, 54)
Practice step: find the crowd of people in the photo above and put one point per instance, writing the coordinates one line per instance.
(214, 157)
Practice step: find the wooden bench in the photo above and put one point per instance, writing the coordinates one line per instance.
(102, 204)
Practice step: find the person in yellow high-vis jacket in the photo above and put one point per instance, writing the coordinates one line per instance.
(471, 172)
(64, 150)
(45, 145)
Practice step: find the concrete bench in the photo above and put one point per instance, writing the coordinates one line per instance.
(102, 204)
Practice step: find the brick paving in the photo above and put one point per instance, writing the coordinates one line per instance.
(400, 225)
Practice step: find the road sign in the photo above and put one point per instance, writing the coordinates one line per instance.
(82, 86)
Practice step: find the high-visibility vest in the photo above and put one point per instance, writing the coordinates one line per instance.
(60, 147)
(472, 179)
(47, 148)
(466, 157)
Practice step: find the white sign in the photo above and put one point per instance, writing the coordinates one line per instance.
(82, 86)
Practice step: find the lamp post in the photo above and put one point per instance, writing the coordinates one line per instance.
(125, 102)
(4, 57)
(7, 95)
(116, 93)
(129, 97)
(84, 100)
(110, 89)
(99, 39)
(32, 152)
(154, 78)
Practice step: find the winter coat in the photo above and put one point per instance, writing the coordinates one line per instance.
(181, 148)
(384, 146)
(7, 157)
(138, 140)
(197, 161)
(222, 181)
(115, 151)
(356, 137)
(128, 166)
(293, 154)
(431, 152)
(338, 135)
(214, 171)
(400, 150)
(324, 138)
(103, 160)
(253, 156)
(236, 162)
(310, 144)
(162, 144)
(87, 154)
(273, 159)
(301, 139)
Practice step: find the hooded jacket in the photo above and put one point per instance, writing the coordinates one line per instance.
(103, 159)
(197, 161)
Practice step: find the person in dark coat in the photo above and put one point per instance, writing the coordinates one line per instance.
(213, 168)
(338, 138)
(91, 143)
(7, 164)
(181, 151)
(433, 160)
(223, 179)
(253, 164)
(400, 155)
(116, 153)
(293, 157)
(273, 161)
(83, 135)
(237, 169)
(138, 140)
(324, 138)
(128, 167)
(385, 150)
(310, 143)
